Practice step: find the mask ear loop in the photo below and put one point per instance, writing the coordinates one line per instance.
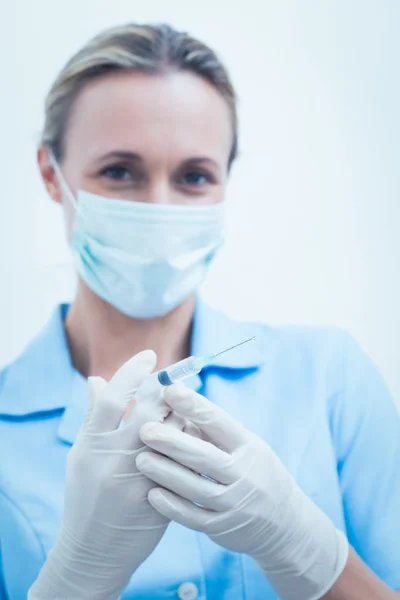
(61, 178)
(64, 185)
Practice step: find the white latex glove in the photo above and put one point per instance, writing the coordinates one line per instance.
(109, 528)
(250, 505)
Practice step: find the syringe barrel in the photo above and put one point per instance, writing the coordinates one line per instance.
(181, 370)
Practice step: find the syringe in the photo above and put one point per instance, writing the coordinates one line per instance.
(150, 404)
(190, 366)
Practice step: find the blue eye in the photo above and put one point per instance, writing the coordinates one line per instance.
(116, 173)
(195, 178)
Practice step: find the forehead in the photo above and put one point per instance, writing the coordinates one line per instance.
(178, 112)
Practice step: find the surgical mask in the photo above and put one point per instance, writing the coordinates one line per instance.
(144, 259)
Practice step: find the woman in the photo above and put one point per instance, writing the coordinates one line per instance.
(139, 136)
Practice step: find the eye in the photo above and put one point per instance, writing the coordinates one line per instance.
(117, 173)
(196, 178)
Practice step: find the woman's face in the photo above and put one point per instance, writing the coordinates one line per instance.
(160, 139)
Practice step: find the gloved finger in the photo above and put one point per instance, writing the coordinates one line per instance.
(182, 481)
(220, 427)
(179, 509)
(200, 456)
(96, 386)
(175, 421)
(128, 411)
(182, 425)
(192, 429)
(111, 404)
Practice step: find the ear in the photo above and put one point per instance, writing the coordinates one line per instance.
(48, 174)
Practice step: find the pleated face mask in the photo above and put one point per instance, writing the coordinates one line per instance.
(143, 258)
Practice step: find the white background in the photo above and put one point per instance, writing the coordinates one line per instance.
(313, 207)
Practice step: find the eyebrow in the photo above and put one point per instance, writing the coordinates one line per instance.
(200, 159)
(133, 156)
(120, 154)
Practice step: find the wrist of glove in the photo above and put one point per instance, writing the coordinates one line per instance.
(64, 576)
(233, 487)
(109, 528)
(303, 553)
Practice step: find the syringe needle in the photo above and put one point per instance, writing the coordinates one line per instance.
(235, 346)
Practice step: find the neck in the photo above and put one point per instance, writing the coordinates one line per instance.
(101, 339)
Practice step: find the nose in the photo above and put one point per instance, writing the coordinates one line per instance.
(159, 192)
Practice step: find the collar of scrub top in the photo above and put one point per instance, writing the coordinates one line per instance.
(43, 380)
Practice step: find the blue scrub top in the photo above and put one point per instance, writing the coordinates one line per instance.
(309, 392)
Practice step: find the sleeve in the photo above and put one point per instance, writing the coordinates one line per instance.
(22, 554)
(3, 595)
(366, 432)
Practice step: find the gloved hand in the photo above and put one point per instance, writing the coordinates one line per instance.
(109, 528)
(250, 505)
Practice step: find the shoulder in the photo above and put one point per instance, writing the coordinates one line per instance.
(301, 353)
(17, 377)
(313, 340)
(326, 366)
(14, 379)
(27, 384)
(3, 374)
(328, 354)
(301, 366)
(317, 348)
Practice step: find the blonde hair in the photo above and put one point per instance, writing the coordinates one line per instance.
(155, 49)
